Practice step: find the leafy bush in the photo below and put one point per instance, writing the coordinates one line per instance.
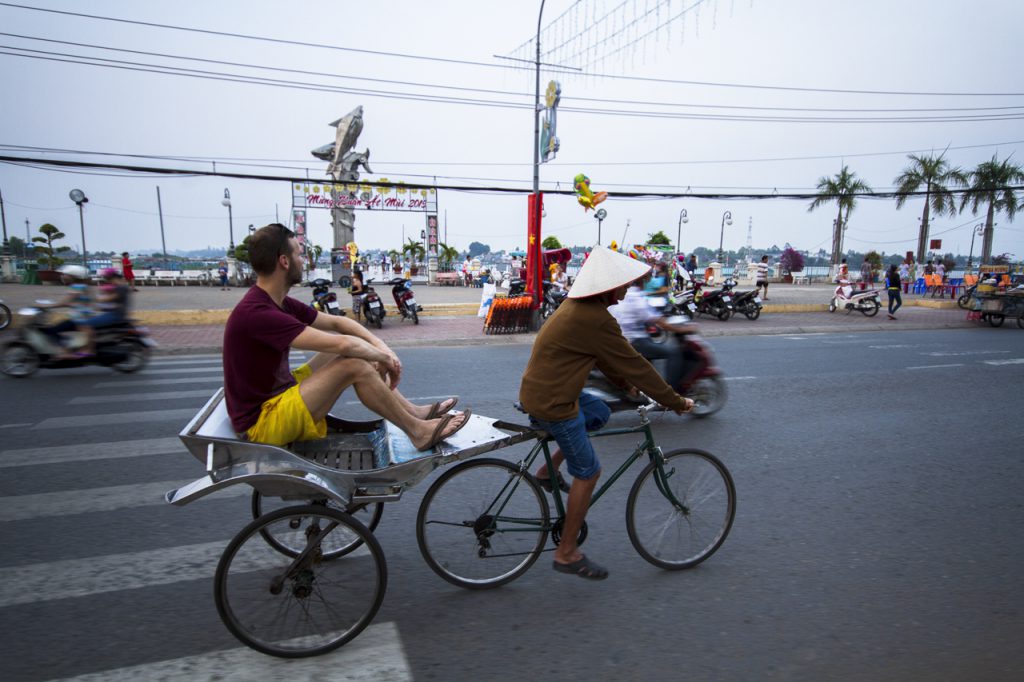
(791, 260)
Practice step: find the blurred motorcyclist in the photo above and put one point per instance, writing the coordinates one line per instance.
(111, 306)
(78, 301)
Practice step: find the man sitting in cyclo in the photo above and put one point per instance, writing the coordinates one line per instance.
(582, 334)
(268, 403)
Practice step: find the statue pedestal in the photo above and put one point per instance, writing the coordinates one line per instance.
(7, 268)
(716, 272)
(232, 271)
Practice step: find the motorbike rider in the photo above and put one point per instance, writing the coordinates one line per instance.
(358, 291)
(79, 303)
(634, 313)
(111, 306)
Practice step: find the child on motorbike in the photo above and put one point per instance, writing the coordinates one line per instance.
(79, 303)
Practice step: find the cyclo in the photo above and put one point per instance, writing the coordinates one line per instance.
(305, 578)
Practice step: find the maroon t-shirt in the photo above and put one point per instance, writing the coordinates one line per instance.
(257, 338)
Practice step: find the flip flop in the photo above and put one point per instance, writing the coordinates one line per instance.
(584, 568)
(436, 410)
(545, 483)
(439, 434)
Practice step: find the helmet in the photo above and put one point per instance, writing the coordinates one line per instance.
(109, 273)
(76, 271)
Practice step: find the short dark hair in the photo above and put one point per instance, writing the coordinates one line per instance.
(266, 244)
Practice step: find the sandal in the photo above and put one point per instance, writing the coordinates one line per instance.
(436, 410)
(439, 434)
(545, 483)
(584, 568)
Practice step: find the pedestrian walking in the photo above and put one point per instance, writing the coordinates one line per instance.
(762, 276)
(127, 270)
(892, 287)
(222, 272)
(865, 274)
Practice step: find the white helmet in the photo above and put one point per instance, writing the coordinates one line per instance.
(76, 271)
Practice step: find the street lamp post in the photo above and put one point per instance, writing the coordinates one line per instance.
(978, 230)
(78, 196)
(599, 216)
(226, 201)
(683, 218)
(726, 220)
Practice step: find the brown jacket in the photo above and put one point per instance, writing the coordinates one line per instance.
(580, 336)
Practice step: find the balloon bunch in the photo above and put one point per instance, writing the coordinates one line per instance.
(586, 198)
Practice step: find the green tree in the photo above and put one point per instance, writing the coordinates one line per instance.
(313, 253)
(414, 250)
(476, 248)
(875, 259)
(47, 250)
(658, 238)
(446, 254)
(551, 243)
(791, 260)
(394, 256)
(935, 175)
(17, 247)
(242, 251)
(842, 188)
(990, 183)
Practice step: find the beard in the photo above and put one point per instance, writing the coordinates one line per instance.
(294, 274)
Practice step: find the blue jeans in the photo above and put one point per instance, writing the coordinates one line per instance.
(572, 439)
(894, 297)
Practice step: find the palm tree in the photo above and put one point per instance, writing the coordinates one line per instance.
(313, 253)
(935, 175)
(842, 189)
(414, 249)
(447, 254)
(990, 183)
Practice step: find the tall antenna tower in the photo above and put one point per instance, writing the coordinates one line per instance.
(750, 236)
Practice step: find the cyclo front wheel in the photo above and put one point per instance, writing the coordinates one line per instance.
(299, 606)
(680, 513)
(482, 523)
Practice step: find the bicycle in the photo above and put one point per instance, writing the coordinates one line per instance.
(484, 522)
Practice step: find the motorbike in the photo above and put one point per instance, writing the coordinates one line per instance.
(964, 301)
(747, 302)
(702, 383)
(325, 300)
(405, 300)
(846, 298)
(372, 306)
(5, 316)
(123, 347)
(553, 297)
(715, 302)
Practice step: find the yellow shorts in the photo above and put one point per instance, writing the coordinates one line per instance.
(285, 418)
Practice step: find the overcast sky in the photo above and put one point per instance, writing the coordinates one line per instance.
(971, 51)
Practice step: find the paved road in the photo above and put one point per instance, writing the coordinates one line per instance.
(877, 536)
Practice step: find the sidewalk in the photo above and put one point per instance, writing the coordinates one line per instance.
(190, 319)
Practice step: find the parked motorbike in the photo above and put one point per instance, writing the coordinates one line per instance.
(715, 302)
(845, 297)
(123, 347)
(964, 301)
(553, 297)
(702, 383)
(748, 303)
(325, 300)
(372, 306)
(5, 316)
(405, 300)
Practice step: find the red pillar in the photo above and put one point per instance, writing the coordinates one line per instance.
(535, 269)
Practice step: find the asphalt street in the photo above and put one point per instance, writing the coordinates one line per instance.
(877, 534)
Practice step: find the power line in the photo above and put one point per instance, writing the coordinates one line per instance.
(382, 53)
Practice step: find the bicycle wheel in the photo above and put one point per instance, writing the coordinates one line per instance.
(482, 524)
(5, 316)
(368, 515)
(299, 606)
(673, 536)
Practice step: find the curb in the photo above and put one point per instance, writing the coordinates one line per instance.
(171, 318)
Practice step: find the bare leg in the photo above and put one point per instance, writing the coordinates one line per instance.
(576, 510)
(556, 459)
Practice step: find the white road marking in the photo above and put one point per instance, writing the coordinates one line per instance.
(740, 378)
(133, 397)
(958, 353)
(94, 500)
(116, 418)
(958, 364)
(69, 578)
(14, 426)
(376, 654)
(217, 369)
(219, 379)
(81, 452)
(1014, 361)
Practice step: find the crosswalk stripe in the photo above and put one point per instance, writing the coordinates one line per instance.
(94, 500)
(376, 654)
(82, 452)
(33, 583)
(183, 360)
(132, 397)
(186, 370)
(160, 382)
(116, 418)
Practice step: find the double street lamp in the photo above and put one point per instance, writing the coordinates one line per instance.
(683, 218)
(78, 196)
(978, 230)
(726, 220)
(226, 201)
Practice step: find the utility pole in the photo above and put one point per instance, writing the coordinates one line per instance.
(160, 211)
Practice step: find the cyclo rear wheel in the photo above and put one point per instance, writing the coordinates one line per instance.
(482, 524)
(681, 534)
(367, 514)
(300, 606)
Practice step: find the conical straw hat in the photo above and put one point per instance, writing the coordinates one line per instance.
(605, 270)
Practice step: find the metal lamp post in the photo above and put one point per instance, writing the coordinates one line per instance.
(726, 220)
(78, 196)
(599, 216)
(978, 230)
(226, 201)
(683, 218)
